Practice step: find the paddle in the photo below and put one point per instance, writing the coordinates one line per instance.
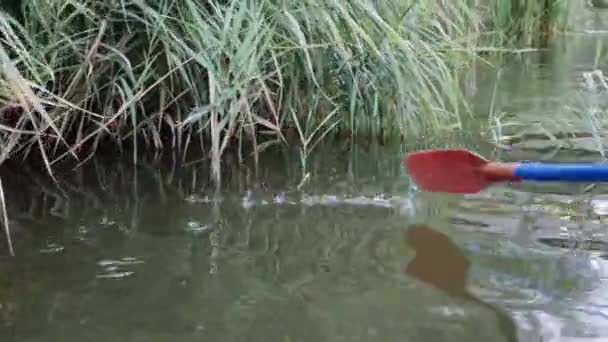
(462, 171)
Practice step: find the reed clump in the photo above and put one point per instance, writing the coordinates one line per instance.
(528, 22)
(80, 74)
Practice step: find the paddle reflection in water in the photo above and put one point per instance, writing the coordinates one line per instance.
(441, 264)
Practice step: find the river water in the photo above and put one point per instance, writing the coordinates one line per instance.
(155, 253)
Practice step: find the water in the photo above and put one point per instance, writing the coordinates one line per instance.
(153, 253)
(165, 258)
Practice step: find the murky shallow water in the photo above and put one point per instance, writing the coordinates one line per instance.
(161, 258)
(152, 254)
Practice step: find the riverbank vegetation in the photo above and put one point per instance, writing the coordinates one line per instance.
(528, 22)
(80, 75)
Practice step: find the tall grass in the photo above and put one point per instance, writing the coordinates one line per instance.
(82, 74)
(528, 22)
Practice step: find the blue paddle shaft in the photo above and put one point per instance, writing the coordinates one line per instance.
(572, 172)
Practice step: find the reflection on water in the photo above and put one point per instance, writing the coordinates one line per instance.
(165, 258)
(442, 264)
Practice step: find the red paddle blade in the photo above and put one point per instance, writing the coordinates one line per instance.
(452, 170)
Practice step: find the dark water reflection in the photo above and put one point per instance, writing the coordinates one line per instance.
(152, 253)
(442, 264)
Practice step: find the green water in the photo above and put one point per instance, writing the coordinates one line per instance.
(153, 253)
(150, 254)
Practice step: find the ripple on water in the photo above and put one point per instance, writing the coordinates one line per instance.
(196, 227)
(250, 200)
(52, 248)
(197, 198)
(600, 205)
(537, 325)
(106, 221)
(556, 293)
(117, 269)
(82, 232)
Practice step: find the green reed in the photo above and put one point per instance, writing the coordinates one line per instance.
(82, 74)
(528, 22)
